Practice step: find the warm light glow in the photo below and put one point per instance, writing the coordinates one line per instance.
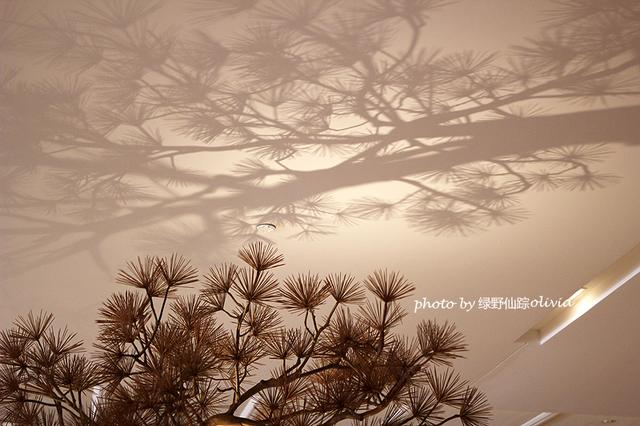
(576, 295)
(586, 302)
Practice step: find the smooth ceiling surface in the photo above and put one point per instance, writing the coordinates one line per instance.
(483, 148)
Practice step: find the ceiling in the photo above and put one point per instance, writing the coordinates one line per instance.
(483, 148)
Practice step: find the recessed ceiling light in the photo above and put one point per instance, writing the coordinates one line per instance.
(609, 421)
(266, 227)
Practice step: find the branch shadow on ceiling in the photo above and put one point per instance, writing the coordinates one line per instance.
(102, 140)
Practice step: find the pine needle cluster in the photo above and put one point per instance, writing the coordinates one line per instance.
(225, 356)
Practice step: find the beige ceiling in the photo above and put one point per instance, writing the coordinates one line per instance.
(483, 148)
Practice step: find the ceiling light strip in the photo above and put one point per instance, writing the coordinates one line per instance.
(539, 419)
(608, 281)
